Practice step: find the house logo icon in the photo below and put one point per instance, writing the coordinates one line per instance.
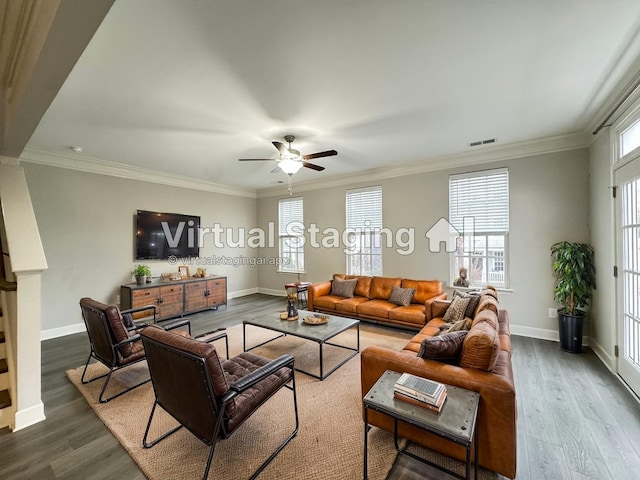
(442, 232)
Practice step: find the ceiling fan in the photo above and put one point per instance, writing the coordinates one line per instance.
(291, 160)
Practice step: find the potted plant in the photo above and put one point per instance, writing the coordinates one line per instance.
(141, 273)
(575, 274)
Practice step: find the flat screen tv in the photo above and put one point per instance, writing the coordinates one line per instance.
(161, 235)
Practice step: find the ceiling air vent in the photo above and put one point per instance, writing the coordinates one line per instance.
(482, 142)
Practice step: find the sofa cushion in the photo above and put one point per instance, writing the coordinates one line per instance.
(401, 296)
(381, 287)
(343, 288)
(488, 317)
(425, 289)
(445, 348)
(413, 313)
(480, 348)
(376, 308)
(487, 302)
(326, 302)
(474, 299)
(362, 286)
(350, 305)
(456, 310)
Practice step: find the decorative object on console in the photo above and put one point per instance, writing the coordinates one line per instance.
(200, 273)
(141, 272)
(170, 277)
(183, 270)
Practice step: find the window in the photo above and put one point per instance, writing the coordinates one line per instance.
(291, 234)
(479, 213)
(364, 225)
(630, 138)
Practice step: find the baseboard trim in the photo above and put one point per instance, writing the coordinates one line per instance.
(29, 416)
(533, 332)
(242, 293)
(62, 331)
(271, 291)
(602, 354)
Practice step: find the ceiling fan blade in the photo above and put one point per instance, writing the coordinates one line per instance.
(317, 168)
(293, 151)
(328, 153)
(280, 146)
(256, 159)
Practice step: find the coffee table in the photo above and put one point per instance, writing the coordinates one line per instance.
(320, 334)
(455, 422)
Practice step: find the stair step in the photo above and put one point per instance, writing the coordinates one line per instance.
(4, 368)
(5, 399)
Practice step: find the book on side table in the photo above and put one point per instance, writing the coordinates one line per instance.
(420, 391)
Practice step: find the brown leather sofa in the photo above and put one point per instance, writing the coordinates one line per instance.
(484, 366)
(370, 301)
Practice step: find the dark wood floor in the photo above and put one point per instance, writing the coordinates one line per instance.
(575, 418)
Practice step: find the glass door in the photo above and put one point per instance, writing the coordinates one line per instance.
(628, 234)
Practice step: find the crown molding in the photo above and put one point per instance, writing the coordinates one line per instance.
(102, 167)
(475, 156)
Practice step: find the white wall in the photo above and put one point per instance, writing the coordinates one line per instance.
(548, 203)
(87, 225)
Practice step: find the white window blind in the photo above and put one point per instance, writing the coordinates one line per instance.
(364, 208)
(482, 197)
(289, 210)
(291, 234)
(364, 221)
(479, 211)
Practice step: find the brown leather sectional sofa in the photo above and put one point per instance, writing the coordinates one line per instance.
(484, 366)
(370, 301)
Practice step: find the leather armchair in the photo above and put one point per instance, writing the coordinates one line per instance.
(209, 396)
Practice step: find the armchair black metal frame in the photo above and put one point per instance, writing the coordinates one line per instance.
(194, 376)
(117, 350)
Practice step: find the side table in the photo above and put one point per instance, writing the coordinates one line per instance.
(455, 422)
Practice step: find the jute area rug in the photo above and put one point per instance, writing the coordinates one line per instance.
(329, 444)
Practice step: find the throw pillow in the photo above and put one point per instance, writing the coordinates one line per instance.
(343, 288)
(401, 296)
(456, 310)
(474, 299)
(445, 348)
(464, 324)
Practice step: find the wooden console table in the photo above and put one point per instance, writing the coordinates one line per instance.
(175, 298)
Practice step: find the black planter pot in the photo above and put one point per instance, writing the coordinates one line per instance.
(570, 329)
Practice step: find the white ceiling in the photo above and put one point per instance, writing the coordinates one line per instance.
(188, 86)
